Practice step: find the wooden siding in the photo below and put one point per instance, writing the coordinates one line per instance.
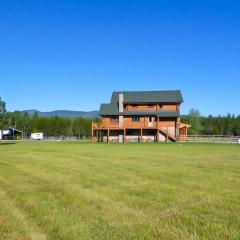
(107, 122)
(141, 108)
(169, 108)
(143, 123)
(152, 107)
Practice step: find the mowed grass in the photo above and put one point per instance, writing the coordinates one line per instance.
(133, 191)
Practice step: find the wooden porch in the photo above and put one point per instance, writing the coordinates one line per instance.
(101, 128)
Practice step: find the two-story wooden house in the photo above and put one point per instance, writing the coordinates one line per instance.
(142, 116)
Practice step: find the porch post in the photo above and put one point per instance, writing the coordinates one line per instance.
(92, 132)
(108, 136)
(124, 135)
(157, 129)
(167, 133)
(178, 126)
(98, 138)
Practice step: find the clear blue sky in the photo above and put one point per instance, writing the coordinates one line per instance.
(72, 54)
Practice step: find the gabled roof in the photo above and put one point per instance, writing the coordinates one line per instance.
(108, 109)
(152, 97)
(16, 130)
(137, 97)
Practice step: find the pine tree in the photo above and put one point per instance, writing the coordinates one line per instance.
(3, 116)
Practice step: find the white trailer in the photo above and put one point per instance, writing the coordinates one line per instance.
(36, 136)
(1, 134)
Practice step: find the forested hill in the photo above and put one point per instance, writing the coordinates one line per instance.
(63, 113)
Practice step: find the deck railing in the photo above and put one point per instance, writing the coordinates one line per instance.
(125, 125)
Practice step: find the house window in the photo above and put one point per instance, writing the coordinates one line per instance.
(113, 119)
(150, 119)
(160, 105)
(135, 119)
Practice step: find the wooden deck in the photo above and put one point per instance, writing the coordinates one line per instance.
(165, 131)
(180, 134)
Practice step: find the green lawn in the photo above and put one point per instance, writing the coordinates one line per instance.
(133, 191)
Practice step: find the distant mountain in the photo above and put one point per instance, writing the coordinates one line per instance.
(64, 113)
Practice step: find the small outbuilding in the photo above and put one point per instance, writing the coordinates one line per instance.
(11, 134)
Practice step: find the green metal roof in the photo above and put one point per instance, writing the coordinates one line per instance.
(152, 97)
(141, 97)
(147, 113)
(168, 114)
(108, 109)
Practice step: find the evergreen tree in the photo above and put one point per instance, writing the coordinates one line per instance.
(3, 116)
(195, 121)
(2, 106)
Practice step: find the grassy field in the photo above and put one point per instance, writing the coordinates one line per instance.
(133, 191)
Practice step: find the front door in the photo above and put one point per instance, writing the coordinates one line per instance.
(150, 121)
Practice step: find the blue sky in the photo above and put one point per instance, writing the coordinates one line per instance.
(72, 54)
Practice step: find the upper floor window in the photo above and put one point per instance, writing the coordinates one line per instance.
(135, 119)
(113, 119)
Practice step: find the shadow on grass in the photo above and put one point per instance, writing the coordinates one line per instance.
(6, 143)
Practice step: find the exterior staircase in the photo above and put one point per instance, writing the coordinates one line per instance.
(168, 134)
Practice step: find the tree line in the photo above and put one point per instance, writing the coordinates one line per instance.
(62, 126)
(212, 125)
(50, 126)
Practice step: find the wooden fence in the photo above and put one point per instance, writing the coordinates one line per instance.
(213, 138)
